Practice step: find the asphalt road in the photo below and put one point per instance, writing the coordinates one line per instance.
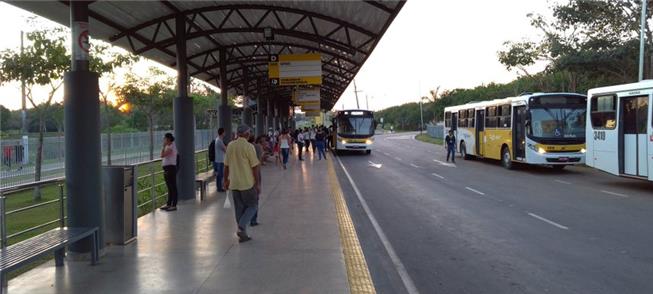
(475, 227)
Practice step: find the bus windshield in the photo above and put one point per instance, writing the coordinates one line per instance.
(558, 123)
(355, 125)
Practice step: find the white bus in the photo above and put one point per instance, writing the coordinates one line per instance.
(619, 130)
(354, 130)
(534, 128)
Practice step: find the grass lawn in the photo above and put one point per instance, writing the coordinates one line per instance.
(428, 139)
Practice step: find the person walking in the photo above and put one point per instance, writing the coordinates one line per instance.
(216, 155)
(450, 141)
(241, 171)
(285, 141)
(169, 163)
(320, 141)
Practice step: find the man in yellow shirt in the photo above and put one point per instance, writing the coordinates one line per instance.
(241, 176)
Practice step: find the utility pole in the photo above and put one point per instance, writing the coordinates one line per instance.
(642, 36)
(356, 93)
(23, 112)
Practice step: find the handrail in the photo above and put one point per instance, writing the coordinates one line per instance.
(4, 237)
(22, 187)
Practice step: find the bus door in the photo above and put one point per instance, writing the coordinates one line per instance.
(634, 138)
(519, 132)
(480, 127)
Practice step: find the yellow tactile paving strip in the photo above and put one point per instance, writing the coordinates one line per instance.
(358, 273)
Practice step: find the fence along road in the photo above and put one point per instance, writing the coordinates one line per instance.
(126, 148)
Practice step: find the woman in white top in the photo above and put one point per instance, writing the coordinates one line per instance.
(169, 162)
(285, 141)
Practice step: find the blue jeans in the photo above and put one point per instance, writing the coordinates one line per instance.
(218, 168)
(320, 150)
(285, 153)
(245, 207)
(451, 150)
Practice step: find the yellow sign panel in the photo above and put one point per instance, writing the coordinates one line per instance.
(312, 113)
(295, 69)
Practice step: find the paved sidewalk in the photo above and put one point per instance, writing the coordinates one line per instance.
(296, 249)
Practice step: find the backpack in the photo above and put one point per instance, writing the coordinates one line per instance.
(211, 151)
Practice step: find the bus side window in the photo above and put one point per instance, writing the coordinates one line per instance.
(447, 119)
(603, 112)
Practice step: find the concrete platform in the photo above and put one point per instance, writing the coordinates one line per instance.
(296, 249)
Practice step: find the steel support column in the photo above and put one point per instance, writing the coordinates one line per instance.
(269, 113)
(224, 110)
(82, 124)
(184, 120)
(259, 108)
(247, 111)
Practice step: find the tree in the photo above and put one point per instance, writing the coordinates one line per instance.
(585, 40)
(150, 96)
(105, 61)
(42, 63)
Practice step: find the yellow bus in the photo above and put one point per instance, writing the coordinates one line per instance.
(533, 128)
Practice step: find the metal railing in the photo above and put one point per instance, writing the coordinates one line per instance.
(151, 181)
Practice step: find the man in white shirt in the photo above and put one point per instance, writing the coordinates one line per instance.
(217, 151)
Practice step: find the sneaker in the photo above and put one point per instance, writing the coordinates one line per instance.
(165, 207)
(172, 208)
(254, 224)
(242, 237)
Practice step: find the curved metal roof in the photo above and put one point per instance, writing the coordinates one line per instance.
(344, 32)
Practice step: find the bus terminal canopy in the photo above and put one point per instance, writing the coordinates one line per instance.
(343, 32)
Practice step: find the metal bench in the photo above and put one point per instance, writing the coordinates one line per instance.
(202, 180)
(53, 241)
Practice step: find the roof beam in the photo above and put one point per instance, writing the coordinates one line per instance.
(296, 34)
(231, 8)
(378, 5)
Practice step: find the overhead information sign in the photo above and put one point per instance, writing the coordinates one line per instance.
(306, 95)
(295, 69)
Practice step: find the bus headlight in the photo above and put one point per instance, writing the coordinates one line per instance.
(541, 150)
(343, 141)
(582, 150)
(369, 142)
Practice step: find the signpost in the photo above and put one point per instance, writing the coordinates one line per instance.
(295, 69)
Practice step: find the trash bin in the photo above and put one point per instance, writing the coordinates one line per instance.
(119, 204)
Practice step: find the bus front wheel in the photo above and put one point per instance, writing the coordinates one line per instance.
(368, 152)
(506, 161)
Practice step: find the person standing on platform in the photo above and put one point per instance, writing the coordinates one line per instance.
(300, 144)
(216, 155)
(311, 136)
(169, 163)
(307, 139)
(320, 141)
(241, 171)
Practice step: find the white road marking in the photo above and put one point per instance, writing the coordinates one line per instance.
(397, 158)
(401, 269)
(444, 163)
(562, 182)
(372, 164)
(386, 154)
(415, 166)
(548, 221)
(615, 194)
(436, 175)
(475, 191)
